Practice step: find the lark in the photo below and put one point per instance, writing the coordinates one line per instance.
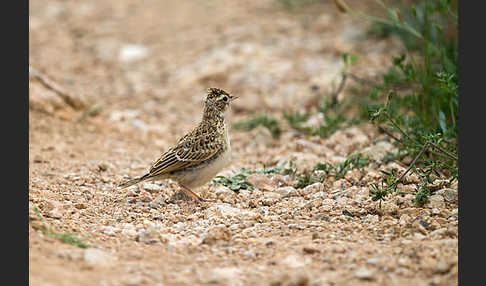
(200, 154)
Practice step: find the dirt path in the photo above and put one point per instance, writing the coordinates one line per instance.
(142, 68)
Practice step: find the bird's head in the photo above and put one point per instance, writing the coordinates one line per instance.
(218, 100)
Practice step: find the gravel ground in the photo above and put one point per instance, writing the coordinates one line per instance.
(141, 68)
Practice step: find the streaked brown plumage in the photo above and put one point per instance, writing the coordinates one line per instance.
(200, 154)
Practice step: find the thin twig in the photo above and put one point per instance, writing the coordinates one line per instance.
(340, 88)
(411, 164)
(400, 129)
(452, 156)
(382, 129)
(369, 82)
(363, 80)
(67, 97)
(418, 156)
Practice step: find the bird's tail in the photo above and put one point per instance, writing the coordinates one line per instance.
(134, 181)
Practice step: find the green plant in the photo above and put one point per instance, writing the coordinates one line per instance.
(307, 178)
(392, 156)
(416, 103)
(388, 186)
(296, 120)
(422, 195)
(294, 4)
(333, 119)
(421, 93)
(63, 237)
(276, 170)
(238, 181)
(340, 170)
(91, 111)
(331, 110)
(268, 122)
(354, 162)
(327, 168)
(235, 183)
(379, 192)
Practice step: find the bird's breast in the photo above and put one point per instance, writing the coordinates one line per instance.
(196, 176)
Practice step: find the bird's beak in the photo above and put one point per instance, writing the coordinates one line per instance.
(233, 98)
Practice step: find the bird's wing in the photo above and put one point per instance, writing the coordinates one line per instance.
(189, 151)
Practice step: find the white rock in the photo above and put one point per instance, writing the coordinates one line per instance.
(418, 236)
(301, 160)
(150, 235)
(450, 195)
(314, 188)
(132, 52)
(438, 233)
(217, 234)
(139, 124)
(436, 201)
(442, 267)
(129, 232)
(319, 195)
(364, 274)
(373, 260)
(134, 280)
(378, 151)
(109, 230)
(327, 205)
(249, 232)
(223, 276)
(286, 191)
(314, 121)
(56, 213)
(122, 115)
(96, 257)
(270, 198)
(223, 192)
(152, 188)
(268, 182)
(342, 201)
(226, 211)
(294, 261)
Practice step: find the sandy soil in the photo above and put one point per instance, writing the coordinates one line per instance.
(141, 68)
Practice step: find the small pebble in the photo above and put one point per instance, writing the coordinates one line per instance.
(364, 274)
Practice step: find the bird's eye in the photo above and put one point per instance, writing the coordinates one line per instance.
(225, 99)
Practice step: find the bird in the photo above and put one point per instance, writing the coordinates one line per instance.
(198, 155)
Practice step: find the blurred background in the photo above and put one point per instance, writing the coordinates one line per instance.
(139, 54)
(156, 58)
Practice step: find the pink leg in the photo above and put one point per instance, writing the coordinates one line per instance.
(195, 196)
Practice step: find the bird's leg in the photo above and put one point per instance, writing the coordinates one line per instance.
(195, 196)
